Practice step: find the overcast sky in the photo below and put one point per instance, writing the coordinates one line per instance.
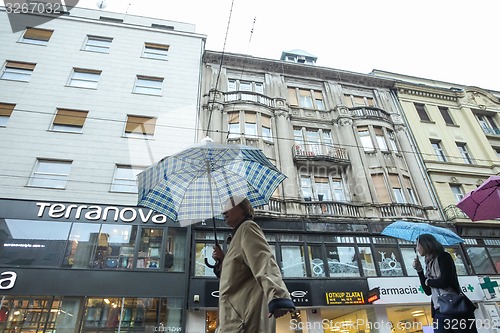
(453, 41)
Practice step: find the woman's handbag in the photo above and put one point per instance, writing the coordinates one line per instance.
(455, 304)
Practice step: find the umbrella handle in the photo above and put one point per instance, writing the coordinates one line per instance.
(209, 265)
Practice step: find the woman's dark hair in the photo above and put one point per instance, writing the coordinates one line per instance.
(429, 244)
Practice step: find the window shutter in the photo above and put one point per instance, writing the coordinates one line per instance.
(250, 117)
(233, 118)
(292, 97)
(143, 125)
(378, 131)
(321, 180)
(157, 46)
(20, 65)
(380, 188)
(6, 109)
(394, 179)
(318, 95)
(266, 121)
(348, 101)
(70, 117)
(38, 34)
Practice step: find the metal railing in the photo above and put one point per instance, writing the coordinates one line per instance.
(307, 150)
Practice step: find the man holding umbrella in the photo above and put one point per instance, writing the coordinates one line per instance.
(251, 287)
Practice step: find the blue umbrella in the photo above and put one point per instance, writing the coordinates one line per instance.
(411, 230)
(193, 185)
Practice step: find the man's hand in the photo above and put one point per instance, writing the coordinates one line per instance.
(217, 254)
(280, 312)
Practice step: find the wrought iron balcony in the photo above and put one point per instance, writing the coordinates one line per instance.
(370, 112)
(320, 152)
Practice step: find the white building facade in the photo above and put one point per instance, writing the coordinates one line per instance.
(87, 101)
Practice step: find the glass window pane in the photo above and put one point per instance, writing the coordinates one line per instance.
(316, 261)
(292, 261)
(80, 245)
(480, 260)
(495, 255)
(457, 258)
(203, 250)
(30, 243)
(342, 261)
(150, 248)
(408, 257)
(114, 248)
(175, 252)
(389, 261)
(367, 261)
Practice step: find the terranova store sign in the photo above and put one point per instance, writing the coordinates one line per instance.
(397, 290)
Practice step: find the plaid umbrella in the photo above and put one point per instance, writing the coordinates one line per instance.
(193, 185)
(482, 203)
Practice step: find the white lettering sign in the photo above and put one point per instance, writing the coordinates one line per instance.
(7, 280)
(95, 213)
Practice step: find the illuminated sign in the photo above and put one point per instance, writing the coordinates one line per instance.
(373, 295)
(7, 280)
(344, 297)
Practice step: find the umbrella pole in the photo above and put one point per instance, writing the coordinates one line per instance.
(209, 176)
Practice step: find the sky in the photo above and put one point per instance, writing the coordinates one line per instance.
(452, 41)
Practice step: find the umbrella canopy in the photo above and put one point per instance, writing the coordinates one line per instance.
(193, 185)
(411, 230)
(483, 202)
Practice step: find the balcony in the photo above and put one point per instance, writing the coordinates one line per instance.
(312, 152)
(370, 112)
(452, 212)
(396, 210)
(248, 96)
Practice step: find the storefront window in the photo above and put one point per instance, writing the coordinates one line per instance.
(293, 261)
(367, 262)
(150, 248)
(32, 243)
(495, 256)
(203, 250)
(316, 261)
(480, 260)
(457, 258)
(79, 249)
(389, 261)
(409, 256)
(175, 252)
(115, 246)
(409, 319)
(342, 261)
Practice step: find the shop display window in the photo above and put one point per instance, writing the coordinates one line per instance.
(367, 261)
(27, 243)
(293, 262)
(409, 255)
(457, 258)
(480, 260)
(150, 245)
(389, 261)
(175, 251)
(409, 319)
(342, 261)
(316, 262)
(203, 250)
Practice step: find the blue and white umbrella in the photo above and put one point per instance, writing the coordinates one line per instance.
(410, 231)
(193, 185)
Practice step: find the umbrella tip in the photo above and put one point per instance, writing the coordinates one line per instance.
(207, 139)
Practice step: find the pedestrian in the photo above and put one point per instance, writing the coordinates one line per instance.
(440, 277)
(251, 289)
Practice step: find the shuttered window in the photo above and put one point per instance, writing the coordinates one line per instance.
(36, 36)
(155, 51)
(5, 112)
(292, 97)
(148, 85)
(17, 71)
(381, 188)
(140, 126)
(84, 78)
(69, 120)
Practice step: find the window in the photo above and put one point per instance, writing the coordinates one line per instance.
(379, 136)
(305, 98)
(445, 112)
(366, 140)
(36, 36)
(155, 51)
(462, 148)
(342, 261)
(5, 112)
(84, 78)
(358, 101)
(396, 188)
(392, 141)
(50, 173)
(319, 188)
(69, 120)
(97, 44)
(293, 261)
(438, 151)
(125, 179)
(250, 122)
(250, 125)
(140, 127)
(312, 141)
(148, 85)
(422, 113)
(381, 188)
(240, 85)
(267, 133)
(488, 124)
(497, 150)
(411, 193)
(233, 125)
(457, 191)
(17, 71)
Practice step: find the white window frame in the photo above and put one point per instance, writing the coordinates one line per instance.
(155, 51)
(125, 179)
(366, 140)
(48, 178)
(36, 41)
(13, 70)
(438, 151)
(392, 141)
(148, 85)
(464, 152)
(84, 78)
(6, 110)
(332, 190)
(457, 191)
(98, 44)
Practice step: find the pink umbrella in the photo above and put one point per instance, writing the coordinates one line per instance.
(483, 203)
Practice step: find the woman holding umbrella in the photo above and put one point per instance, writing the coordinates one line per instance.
(441, 278)
(251, 288)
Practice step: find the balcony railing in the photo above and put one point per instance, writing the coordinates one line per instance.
(401, 210)
(248, 96)
(368, 112)
(452, 212)
(332, 209)
(320, 151)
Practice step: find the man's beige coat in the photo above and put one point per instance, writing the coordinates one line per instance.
(250, 279)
